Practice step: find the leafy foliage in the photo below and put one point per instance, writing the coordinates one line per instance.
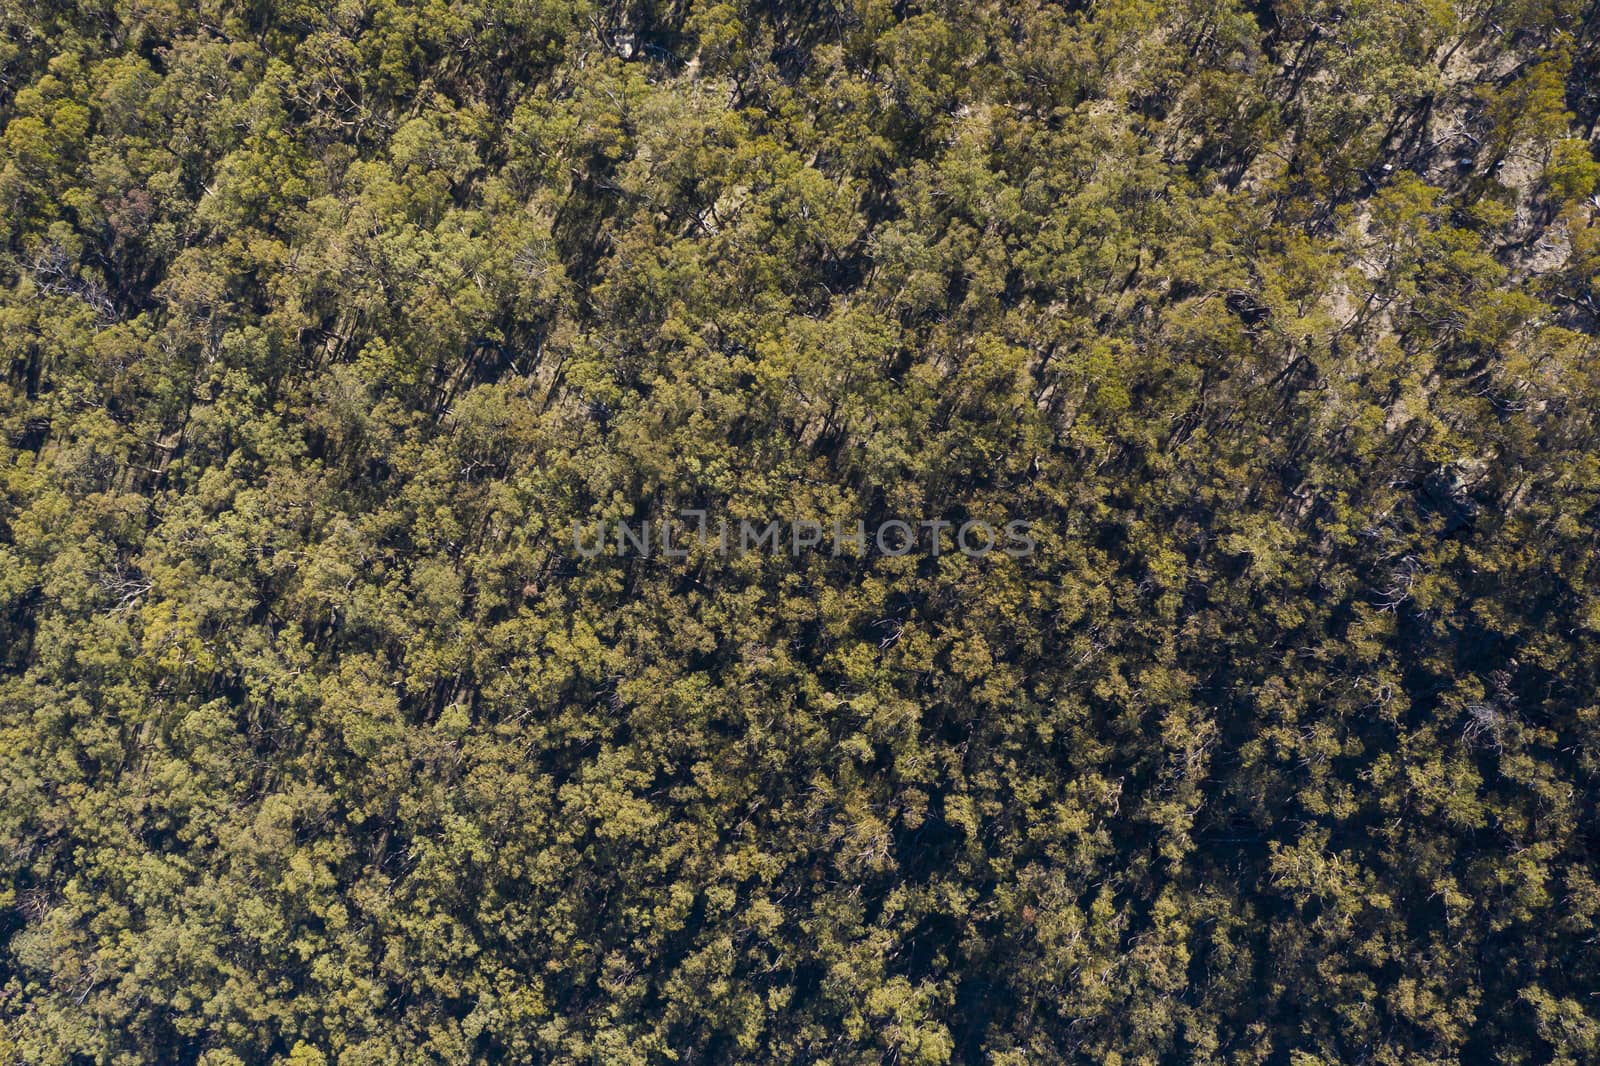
(321, 326)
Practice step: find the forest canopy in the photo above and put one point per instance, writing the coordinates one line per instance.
(324, 325)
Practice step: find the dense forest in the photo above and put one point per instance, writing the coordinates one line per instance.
(324, 325)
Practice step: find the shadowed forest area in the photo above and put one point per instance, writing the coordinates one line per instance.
(323, 324)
